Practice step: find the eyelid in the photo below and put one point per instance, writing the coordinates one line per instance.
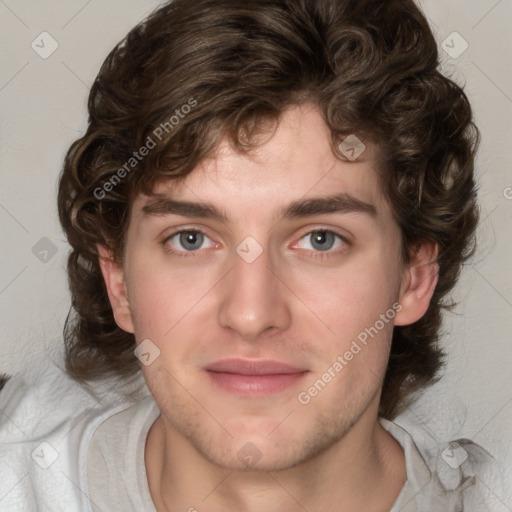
(168, 233)
(335, 231)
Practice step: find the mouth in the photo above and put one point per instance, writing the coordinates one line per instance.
(254, 377)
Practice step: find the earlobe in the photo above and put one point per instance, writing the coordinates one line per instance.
(418, 284)
(114, 281)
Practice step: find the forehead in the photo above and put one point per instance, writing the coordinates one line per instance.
(295, 161)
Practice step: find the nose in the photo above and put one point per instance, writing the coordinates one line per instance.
(253, 299)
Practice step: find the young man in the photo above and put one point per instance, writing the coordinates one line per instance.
(270, 204)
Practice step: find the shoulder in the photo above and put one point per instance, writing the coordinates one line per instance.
(46, 423)
(44, 399)
(454, 470)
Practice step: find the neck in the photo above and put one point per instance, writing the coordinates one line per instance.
(364, 470)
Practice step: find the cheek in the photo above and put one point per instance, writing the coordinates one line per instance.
(161, 295)
(358, 308)
(350, 297)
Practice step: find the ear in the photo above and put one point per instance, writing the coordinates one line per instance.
(418, 283)
(114, 281)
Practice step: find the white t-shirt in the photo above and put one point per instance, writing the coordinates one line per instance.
(67, 448)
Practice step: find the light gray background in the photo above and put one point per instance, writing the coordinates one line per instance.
(43, 110)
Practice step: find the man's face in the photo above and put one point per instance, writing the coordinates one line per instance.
(243, 336)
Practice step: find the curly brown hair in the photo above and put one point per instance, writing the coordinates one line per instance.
(370, 67)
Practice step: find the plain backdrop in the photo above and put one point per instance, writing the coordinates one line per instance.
(43, 110)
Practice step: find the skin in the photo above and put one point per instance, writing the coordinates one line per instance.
(295, 303)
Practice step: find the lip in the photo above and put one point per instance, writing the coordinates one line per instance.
(253, 367)
(254, 377)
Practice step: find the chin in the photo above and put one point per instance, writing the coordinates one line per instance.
(253, 457)
(263, 452)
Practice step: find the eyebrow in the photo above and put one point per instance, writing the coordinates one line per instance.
(340, 203)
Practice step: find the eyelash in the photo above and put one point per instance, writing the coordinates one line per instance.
(316, 254)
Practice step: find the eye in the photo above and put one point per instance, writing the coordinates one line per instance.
(322, 240)
(188, 241)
